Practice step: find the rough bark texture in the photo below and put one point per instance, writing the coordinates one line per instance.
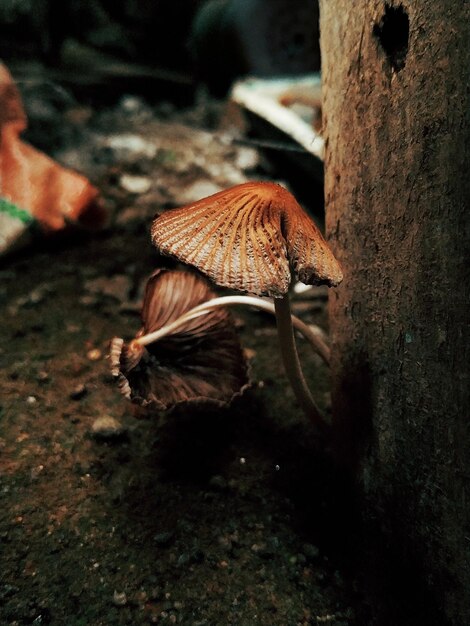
(396, 104)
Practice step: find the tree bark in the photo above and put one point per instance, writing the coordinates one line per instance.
(397, 189)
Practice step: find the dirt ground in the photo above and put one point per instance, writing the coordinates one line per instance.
(208, 517)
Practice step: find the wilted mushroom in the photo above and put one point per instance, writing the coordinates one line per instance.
(200, 361)
(254, 238)
(311, 333)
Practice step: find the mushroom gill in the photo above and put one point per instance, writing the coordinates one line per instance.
(201, 360)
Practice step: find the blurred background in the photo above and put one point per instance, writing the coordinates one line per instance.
(89, 69)
(209, 41)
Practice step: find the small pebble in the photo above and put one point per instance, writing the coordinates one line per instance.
(135, 184)
(31, 400)
(131, 104)
(79, 392)
(197, 190)
(128, 147)
(119, 598)
(107, 427)
(94, 354)
(87, 300)
(36, 471)
(247, 159)
(36, 296)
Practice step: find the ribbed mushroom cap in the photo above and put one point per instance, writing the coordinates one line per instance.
(202, 361)
(248, 238)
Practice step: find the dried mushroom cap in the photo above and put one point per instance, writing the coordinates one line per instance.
(248, 238)
(201, 362)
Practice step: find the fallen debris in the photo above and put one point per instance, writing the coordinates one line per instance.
(35, 190)
(287, 110)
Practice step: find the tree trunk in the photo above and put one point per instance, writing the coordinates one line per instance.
(397, 188)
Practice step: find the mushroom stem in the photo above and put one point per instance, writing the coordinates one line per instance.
(313, 338)
(291, 360)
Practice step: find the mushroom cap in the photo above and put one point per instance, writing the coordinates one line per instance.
(248, 238)
(202, 361)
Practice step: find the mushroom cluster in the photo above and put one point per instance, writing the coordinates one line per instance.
(254, 238)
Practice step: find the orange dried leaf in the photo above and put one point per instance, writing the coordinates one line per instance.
(32, 181)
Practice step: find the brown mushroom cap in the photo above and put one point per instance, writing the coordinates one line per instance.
(248, 238)
(202, 361)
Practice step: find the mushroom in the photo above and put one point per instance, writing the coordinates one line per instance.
(254, 238)
(200, 360)
(310, 332)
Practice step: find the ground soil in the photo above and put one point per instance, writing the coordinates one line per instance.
(205, 517)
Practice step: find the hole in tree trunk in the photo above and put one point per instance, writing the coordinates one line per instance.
(393, 33)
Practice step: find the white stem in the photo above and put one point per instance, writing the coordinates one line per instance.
(291, 360)
(316, 342)
(168, 329)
